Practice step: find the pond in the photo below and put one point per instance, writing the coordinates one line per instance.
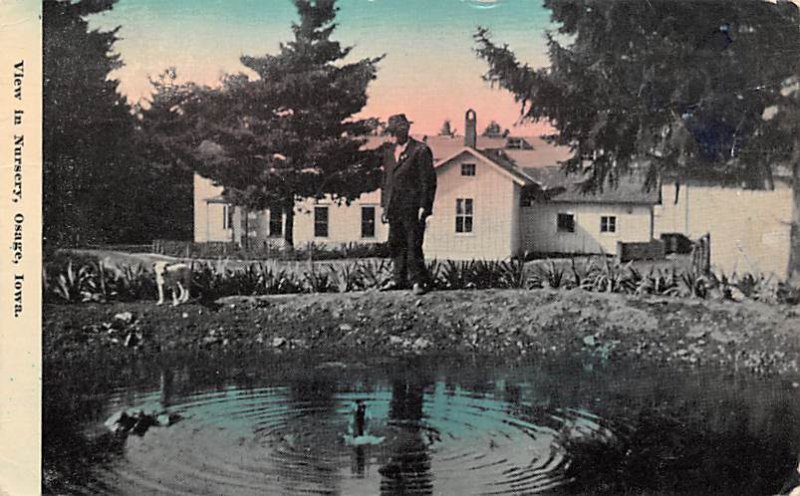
(271, 424)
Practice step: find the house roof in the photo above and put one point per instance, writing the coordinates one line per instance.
(216, 199)
(536, 166)
(540, 154)
(506, 166)
(565, 188)
(446, 148)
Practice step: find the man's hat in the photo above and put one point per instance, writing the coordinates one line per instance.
(397, 121)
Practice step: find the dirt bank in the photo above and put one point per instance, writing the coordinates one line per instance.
(747, 337)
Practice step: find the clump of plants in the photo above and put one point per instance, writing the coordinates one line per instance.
(481, 274)
(92, 281)
(96, 282)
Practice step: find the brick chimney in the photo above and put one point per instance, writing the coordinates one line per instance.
(470, 129)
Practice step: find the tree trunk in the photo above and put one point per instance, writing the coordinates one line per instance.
(793, 271)
(245, 236)
(289, 229)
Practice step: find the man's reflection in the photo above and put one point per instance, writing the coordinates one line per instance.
(166, 387)
(359, 428)
(408, 469)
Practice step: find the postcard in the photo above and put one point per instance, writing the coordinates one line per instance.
(429, 247)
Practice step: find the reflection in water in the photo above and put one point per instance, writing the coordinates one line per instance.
(306, 442)
(360, 462)
(358, 436)
(408, 470)
(360, 419)
(282, 429)
(166, 386)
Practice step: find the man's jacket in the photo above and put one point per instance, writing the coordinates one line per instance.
(409, 183)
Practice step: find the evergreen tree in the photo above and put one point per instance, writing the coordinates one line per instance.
(85, 122)
(446, 129)
(493, 130)
(670, 86)
(165, 174)
(288, 134)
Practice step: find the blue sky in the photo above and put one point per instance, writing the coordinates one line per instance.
(429, 73)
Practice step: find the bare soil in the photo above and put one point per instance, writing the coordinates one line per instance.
(747, 337)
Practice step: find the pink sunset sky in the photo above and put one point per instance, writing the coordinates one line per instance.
(430, 72)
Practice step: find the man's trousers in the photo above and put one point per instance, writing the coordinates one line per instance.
(405, 247)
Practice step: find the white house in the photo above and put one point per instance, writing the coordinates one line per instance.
(330, 223)
(481, 211)
(498, 197)
(573, 222)
(749, 228)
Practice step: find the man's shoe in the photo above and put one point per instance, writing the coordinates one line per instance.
(391, 286)
(418, 289)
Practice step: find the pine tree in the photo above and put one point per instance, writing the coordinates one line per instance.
(85, 122)
(677, 87)
(493, 130)
(288, 134)
(166, 170)
(446, 129)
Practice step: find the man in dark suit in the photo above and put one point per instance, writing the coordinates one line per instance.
(409, 186)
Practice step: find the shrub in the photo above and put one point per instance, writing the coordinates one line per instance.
(133, 282)
(788, 294)
(319, 280)
(373, 273)
(347, 278)
(513, 275)
(694, 284)
(456, 275)
(93, 281)
(434, 268)
(552, 274)
(69, 285)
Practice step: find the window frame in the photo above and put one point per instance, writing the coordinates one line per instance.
(466, 166)
(463, 216)
(608, 224)
(517, 143)
(227, 216)
(272, 220)
(318, 222)
(573, 221)
(372, 221)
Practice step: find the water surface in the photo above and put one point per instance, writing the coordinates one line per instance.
(274, 425)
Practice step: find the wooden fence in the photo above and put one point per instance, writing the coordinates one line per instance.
(701, 254)
(646, 250)
(189, 249)
(270, 249)
(128, 248)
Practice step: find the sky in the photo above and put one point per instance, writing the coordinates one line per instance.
(430, 72)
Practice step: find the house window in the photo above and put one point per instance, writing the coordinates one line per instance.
(367, 222)
(275, 224)
(515, 143)
(467, 169)
(321, 222)
(464, 215)
(227, 216)
(608, 224)
(566, 223)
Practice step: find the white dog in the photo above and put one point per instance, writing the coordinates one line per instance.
(177, 277)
